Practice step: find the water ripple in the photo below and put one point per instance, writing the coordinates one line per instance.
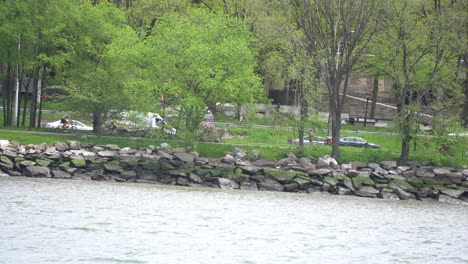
(50, 221)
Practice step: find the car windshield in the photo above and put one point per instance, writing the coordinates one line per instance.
(360, 140)
(77, 123)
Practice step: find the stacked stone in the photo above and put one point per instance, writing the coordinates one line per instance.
(236, 170)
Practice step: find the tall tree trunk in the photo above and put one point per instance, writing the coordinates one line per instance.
(405, 145)
(304, 117)
(464, 114)
(43, 77)
(25, 103)
(33, 105)
(8, 95)
(97, 122)
(335, 120)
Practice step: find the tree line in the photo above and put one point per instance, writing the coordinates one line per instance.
(144, 54)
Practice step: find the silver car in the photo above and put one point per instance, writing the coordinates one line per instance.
(357, 142)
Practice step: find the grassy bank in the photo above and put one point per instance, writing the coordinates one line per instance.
(272, 143)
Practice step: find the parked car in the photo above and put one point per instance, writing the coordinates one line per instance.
(313, 140)
(130, 121)
(69, 124)
(357, 142)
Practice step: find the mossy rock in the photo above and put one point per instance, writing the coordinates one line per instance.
(301, 174)
(416, 182)
(380, 180)
(114, 162)
(151, 166)
(6, 160)
(113, 167)
(330, 180)
(381, 185)
(452, 187)
(202, 171)
(95, 166)
(78, 163)
(359, 181)
(237, 177)
(27, 163)
(98, 161)
(402, 184)
(147, 175)
(65, 165)
(339, 176)
(433, 183)
(238, 171)
(43, 162)
(221, 171)
(19, 159)
(301, 180)
(129, 165)
(280, 175)
(167, 166)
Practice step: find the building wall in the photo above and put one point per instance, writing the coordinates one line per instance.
(355, 104)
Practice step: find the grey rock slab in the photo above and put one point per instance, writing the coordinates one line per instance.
(453, 193)
(270, 185)
(320, 172)
(107, 153)
(185, 157)
(248, 186)
(388, 164)
(195, 178)
(165, 155)
(389, 196)
(36, 171)
(60, 174)
(367, 191)
(227, 184)
(425, 173)
(449, 199)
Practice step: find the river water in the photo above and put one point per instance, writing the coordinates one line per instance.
(66, 221)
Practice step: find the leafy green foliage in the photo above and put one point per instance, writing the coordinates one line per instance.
(191, 61)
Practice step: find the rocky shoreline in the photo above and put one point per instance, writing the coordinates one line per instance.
(236, 170)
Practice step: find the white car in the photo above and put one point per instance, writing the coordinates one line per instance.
(308, 140)
(73, 124)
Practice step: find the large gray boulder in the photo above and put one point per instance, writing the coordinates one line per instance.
(6, 163)
(185, 157)
(61, 146)
(270, 185)
(367, 191)
(107, 153)
(61, 174)
(225, 183)
(36, 171)
(252, 186)
(449, 199)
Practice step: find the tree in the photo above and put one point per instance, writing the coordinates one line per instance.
(94, 76)
(196, 60)
(143, 15)
(37, 38)
(413, 51)
(337, 34)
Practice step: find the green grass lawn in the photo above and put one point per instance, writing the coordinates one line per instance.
(271, 142)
